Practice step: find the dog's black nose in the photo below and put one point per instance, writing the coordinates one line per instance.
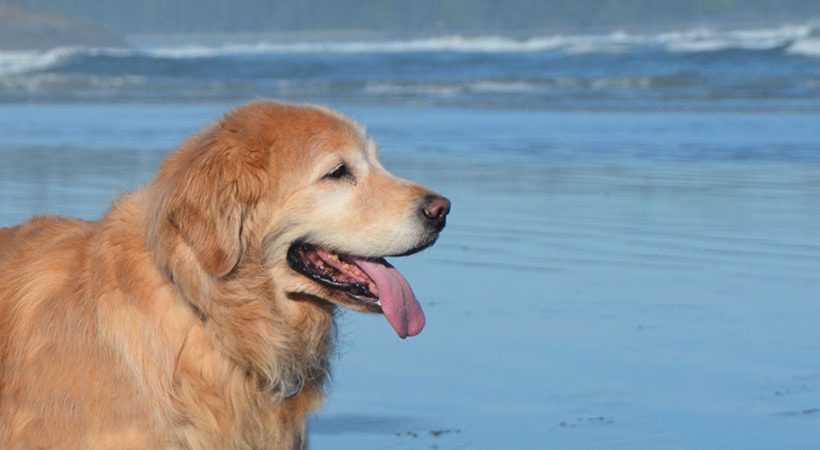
(435, 209)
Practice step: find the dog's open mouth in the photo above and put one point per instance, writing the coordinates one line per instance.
(371, 282)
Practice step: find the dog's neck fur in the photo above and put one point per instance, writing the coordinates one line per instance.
(263, 368)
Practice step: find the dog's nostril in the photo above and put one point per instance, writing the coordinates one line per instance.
(436, 208)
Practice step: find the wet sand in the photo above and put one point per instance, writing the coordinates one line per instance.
(635, 286)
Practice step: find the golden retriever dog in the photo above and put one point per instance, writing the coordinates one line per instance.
(198, 312)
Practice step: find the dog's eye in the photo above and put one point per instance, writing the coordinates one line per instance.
(338, 173)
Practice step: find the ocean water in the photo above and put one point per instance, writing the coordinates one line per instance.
(689, 69)
(633, 256)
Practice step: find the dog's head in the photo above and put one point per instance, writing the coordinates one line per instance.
(298, 193)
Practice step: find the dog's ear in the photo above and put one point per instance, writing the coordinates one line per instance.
(208, 217)
(203, 200)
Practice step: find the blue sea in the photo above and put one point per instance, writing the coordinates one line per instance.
(633, 256)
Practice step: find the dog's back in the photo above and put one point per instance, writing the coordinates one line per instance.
(35, 256)
(40, 253)
(54, 374)
(39, 260)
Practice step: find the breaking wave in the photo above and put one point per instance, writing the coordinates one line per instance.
(696, 40)
(736, 69)
(803, 40)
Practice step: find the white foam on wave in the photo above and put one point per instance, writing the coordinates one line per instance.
(605, 43)
(19, 62)
(708, 40)
(797, 39)
(805, 47)
(15, 62)
(42, 83)
(449, 89)
(453, 43)
(505, 87)
(695, 40)
(427, 89)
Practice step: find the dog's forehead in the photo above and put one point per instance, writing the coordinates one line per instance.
(339, 134)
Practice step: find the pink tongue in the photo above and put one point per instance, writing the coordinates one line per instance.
(398, 302)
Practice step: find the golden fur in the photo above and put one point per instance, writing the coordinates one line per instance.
(174, 321)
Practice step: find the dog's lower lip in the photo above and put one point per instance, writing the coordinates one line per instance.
(374, 305)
